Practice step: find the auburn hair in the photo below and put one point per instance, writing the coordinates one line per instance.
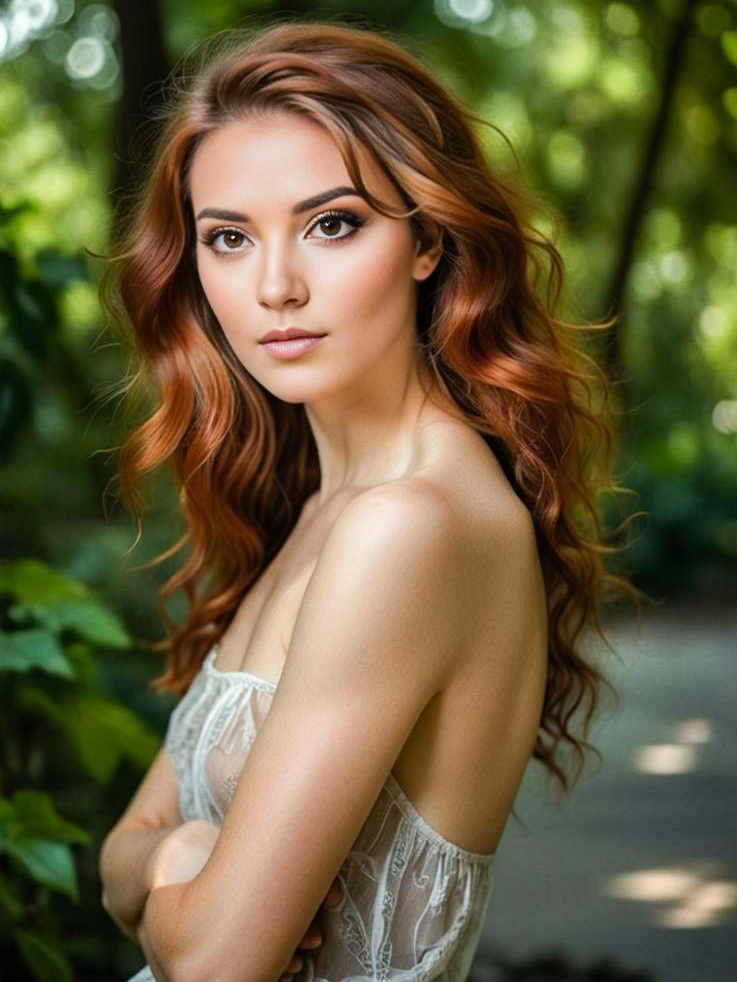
(243, 461)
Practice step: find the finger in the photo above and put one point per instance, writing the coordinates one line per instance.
(313, 939)
(334, 894)
(295, 965)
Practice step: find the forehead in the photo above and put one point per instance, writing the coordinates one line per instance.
(283, 157)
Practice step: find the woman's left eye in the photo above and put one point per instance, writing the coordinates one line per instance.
(333, 220)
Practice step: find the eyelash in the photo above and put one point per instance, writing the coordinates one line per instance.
(346, 216)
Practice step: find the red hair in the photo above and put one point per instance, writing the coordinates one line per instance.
(244, 461)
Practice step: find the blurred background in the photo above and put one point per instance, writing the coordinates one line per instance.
(624, 118)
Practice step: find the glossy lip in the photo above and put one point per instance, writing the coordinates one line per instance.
(287, 333)
(293, 347)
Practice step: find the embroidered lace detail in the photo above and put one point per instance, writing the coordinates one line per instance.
(412, 903)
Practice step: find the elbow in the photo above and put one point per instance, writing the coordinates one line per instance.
(199, 970)
(192, 948)
(207, 968)
(103, 862)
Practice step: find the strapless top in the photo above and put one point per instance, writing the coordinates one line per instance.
(412, 903)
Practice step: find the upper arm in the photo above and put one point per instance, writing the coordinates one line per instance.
(371, 647)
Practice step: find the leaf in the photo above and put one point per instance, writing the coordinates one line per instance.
(36, 818)
(87, 616)
(59, 270)
(32, 580)
(729, 45)
(104, 731)
(21, 651)
(50, 863)
(48, 964)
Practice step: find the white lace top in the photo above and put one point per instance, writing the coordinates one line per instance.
(412, 903)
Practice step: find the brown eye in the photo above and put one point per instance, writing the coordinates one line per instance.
(330, 224)
(228, 238)
(232, 240)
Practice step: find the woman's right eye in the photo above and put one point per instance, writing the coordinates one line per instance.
(228, 235)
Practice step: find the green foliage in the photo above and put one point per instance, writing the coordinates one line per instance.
(53, 631)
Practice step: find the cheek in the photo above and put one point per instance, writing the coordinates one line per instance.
(221, 288)
(371, 282)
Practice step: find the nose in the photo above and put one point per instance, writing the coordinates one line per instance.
(280, 279)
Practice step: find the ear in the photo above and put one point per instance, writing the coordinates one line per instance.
(427, 258)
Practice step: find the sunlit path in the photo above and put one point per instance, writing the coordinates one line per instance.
(640, 864)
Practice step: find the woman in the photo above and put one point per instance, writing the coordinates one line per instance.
(390, 507)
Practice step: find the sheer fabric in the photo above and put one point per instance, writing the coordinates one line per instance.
(412, 903)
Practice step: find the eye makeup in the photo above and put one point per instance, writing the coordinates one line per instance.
(348, 217)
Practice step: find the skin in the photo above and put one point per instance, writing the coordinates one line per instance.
(180, 856)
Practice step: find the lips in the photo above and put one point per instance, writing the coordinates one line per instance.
(294, 347)
(287, 334)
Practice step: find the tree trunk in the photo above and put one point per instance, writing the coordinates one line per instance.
(643, 187)
(144, 68)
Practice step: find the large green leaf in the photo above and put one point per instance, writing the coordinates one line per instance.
(32, 581)
(20, 651)
(87, 616)
(102, 730)
(50, 863)
(48, 964)
(35, 817)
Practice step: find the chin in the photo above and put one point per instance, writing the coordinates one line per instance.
(295, 391)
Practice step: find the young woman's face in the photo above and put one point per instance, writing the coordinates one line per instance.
(333, 267)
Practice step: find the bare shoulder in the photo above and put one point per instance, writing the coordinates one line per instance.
(412, 506)
(464, 527)
(411, 525)
(389, 573)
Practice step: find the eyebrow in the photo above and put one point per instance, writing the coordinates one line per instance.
(306, 205)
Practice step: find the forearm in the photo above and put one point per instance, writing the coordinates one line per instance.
(125, 875)
(163, 932)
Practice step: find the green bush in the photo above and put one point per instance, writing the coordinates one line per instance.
(59, 729)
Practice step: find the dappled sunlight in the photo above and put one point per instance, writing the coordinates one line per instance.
(678, 757)
(664, 758)
(696, 730)
(697, 902)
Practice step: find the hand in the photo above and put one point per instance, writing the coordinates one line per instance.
(180, 856)
(312, 938)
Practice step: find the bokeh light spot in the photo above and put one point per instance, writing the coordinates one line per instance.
(471, 10)
(724, 416)
(622, 19)
(85, 58)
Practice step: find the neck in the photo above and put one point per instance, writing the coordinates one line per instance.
(371, 435)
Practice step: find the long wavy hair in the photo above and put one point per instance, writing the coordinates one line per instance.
(244, 461)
